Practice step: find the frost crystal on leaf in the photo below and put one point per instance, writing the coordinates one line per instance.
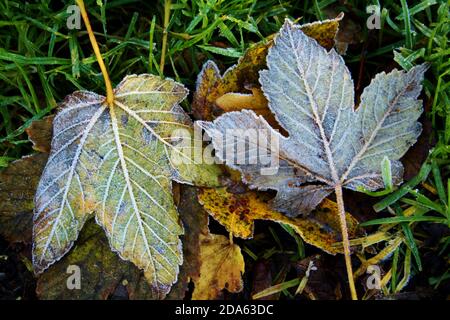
(116, 162)
(310, 92)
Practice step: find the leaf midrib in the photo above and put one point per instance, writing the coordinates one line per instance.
(317, 119)
(129, 186)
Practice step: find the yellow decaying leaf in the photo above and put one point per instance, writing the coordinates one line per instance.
(237, 101)
(255, 101)
(212, 86)
(222, 267)
(237, 213)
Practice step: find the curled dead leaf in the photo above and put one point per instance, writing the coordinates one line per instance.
(40, 133)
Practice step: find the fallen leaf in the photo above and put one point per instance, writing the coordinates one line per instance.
(350, 31)
(40, 134)
(212, 86)
(101, 271)
(18, 184)
(238, 212)
(222, 266)
(330, 143)
(119, 161)
(195, 222)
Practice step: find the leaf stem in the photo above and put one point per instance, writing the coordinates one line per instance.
(345, 241)
(167, 5)
(109, 90)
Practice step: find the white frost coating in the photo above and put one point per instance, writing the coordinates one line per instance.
(311, 94)
(116, 161)
(60, 190)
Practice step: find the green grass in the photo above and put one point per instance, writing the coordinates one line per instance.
(41, 61)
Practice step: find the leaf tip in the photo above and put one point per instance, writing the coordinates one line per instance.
(418, 71)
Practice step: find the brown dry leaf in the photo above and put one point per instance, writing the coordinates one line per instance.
(238, 212)
(211, 85)
(40, 133)
(18, 184)
(350, 31)
(222, 267)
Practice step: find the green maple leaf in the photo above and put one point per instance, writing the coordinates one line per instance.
(117, 162)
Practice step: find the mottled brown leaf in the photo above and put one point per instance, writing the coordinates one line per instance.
(18, 184)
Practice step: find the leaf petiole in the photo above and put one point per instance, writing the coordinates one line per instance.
(98, 55)
(345, 241)
(167, 7)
